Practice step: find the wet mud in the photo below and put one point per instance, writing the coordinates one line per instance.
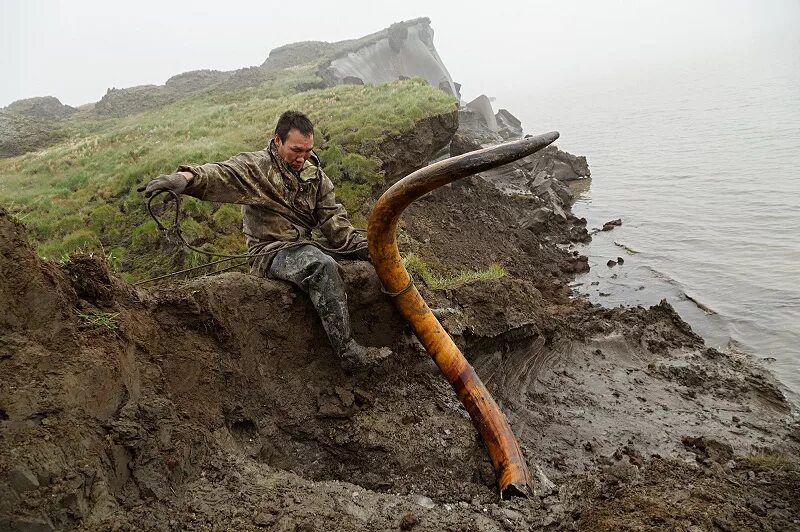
(217, 403)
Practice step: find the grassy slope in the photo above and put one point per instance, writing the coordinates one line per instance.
(80, 194)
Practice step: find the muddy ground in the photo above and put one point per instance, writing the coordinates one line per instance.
(216, 403)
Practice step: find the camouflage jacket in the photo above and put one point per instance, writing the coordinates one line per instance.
(279, 207)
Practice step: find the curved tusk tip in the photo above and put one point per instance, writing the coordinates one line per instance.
(544, 139)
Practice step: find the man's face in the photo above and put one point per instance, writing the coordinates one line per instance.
(295, 149)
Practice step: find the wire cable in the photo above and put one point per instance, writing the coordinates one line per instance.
(254, 252)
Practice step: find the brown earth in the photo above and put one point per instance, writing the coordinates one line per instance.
(216, 403)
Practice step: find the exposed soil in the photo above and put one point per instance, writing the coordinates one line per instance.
(217, 403)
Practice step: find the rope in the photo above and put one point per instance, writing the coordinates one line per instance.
(176, 229)
(405, 289)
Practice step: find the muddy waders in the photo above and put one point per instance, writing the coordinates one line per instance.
(317, 274)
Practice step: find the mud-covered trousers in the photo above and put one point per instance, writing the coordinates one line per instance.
(317, 274)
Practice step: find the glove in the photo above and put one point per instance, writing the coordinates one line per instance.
(174, 182)
(363, 254)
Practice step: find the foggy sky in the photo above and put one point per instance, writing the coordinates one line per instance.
(75, 50)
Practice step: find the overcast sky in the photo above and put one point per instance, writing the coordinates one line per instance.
(76, 49)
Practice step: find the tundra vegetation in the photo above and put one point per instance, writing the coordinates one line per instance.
(80, 194)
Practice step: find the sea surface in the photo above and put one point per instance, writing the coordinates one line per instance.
(701, 161)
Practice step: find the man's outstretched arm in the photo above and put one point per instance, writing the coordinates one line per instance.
(176, 182)
(231, 181)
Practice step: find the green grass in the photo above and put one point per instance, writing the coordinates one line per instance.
(767, 460)
(418, 267)
(97, 318)
(79, 195)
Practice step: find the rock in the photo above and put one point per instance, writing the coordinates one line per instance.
(611, 224)
(537, 219)
(363, 397)
(463, 142)
(195, 80)
(483, 107)
(403, 50)
(131, 100)
(556, 164)
(264, 519)
(621, 472)
(21, 479)
(620, 261)
(423, 501)
(354, 510)
(352, 80)
(611, 263)
(27, 524)
(284, 524)
(758, 506)
(512, 515)
(708, 449)
(21, 134)
(345, 396)
(510, 126)
(44, 107)
(408, 521)
(8, 498)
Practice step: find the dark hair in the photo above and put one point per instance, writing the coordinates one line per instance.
(293, 120)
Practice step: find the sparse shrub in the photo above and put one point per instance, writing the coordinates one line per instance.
(768, 460)
(418, 267)
(96, 318)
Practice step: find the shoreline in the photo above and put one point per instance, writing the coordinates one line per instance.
(637, 283)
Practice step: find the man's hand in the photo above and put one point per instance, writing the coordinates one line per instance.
(363, 254)
(175, 182)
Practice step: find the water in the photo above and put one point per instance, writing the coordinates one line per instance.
(700, 160)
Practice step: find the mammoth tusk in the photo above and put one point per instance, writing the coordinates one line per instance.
(513, 477)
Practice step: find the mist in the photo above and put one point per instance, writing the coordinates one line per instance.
(75, 51)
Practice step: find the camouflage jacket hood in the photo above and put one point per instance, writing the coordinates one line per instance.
(279, 207)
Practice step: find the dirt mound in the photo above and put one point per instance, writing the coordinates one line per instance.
(217, 403)
(470, 224)
(144, 393)
(402, 154)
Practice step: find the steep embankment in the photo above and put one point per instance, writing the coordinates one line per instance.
(194, 405)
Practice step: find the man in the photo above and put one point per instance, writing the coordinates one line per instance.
(284, 195)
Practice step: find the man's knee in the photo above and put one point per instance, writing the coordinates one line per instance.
(323, 264)
(303, 264)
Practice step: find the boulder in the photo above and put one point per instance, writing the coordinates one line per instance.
(509, 125)
(20, 134)
(482, 106)
(196, 80)
(45, 107)
(404, 50)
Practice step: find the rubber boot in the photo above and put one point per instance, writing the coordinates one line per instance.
(317, 274)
